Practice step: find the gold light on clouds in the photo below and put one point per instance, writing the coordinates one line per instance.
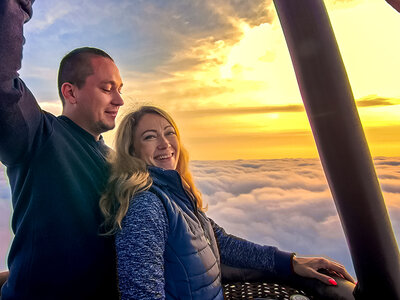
(238, 98)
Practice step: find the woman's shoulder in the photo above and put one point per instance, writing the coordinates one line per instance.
(143, 206)
(145, 199)
(145, 195)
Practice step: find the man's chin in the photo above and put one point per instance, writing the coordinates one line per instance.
(106, 126)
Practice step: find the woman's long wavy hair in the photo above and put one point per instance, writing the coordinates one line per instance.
(129, 174)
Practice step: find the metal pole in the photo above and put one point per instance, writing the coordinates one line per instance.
(395, 4)
(342, 146)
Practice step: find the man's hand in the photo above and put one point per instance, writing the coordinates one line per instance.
(26, 6)
(309, 266)
(395, 4)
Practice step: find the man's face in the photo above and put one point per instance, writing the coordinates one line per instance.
(98, 101)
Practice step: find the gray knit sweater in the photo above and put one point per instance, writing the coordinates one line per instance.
(141, 243)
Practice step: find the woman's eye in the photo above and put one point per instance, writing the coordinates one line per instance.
(149, 137)
(170, 133)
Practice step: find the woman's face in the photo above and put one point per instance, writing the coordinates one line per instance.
(156, 143)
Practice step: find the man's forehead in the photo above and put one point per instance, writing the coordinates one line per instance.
(106, 70)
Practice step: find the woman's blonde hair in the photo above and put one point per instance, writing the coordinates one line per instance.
(129, 174)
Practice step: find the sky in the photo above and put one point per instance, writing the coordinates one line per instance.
(280, 202)
(222, 68)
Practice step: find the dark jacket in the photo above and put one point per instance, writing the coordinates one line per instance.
(57, 172)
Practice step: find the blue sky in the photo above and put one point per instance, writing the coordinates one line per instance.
(142, 36)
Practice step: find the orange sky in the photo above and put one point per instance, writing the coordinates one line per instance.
(240, 99)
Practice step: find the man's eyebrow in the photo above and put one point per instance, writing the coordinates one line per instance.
(112, 82)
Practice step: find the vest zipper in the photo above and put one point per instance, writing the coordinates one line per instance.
(196, 212)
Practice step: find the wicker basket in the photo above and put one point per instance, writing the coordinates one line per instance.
(262, 290)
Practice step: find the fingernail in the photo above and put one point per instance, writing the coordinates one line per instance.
(332, 281)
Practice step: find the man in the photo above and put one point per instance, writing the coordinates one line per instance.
(57, 171)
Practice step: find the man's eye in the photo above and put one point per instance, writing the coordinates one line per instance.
(107, 90)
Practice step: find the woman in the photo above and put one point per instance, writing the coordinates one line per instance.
(166, 246)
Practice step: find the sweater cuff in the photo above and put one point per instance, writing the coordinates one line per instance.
(284, 263)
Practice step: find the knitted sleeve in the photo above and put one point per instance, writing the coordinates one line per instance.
(239, 253)
(140, 249)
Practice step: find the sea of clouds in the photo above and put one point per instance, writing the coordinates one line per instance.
(282, 202)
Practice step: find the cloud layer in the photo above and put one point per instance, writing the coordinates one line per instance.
(286, 203)
(283, 202)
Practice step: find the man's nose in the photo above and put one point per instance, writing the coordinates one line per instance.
(117, 100)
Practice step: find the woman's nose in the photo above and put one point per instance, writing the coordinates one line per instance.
(163, 143)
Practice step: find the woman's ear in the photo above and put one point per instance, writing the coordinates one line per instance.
(131, 150)
(68, 91)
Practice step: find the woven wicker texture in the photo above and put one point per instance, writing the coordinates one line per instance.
(262, 290)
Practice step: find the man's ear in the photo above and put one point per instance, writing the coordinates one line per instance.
(68, 91)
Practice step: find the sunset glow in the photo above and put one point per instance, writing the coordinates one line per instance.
(231, 86)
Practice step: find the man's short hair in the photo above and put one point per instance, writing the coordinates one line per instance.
(76, 66)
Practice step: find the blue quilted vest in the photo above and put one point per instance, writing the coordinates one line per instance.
(192, 262)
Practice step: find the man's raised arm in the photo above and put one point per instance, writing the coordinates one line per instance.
(13, 14)
(19, 112)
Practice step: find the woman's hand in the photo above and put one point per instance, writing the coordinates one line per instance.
(309, 266)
